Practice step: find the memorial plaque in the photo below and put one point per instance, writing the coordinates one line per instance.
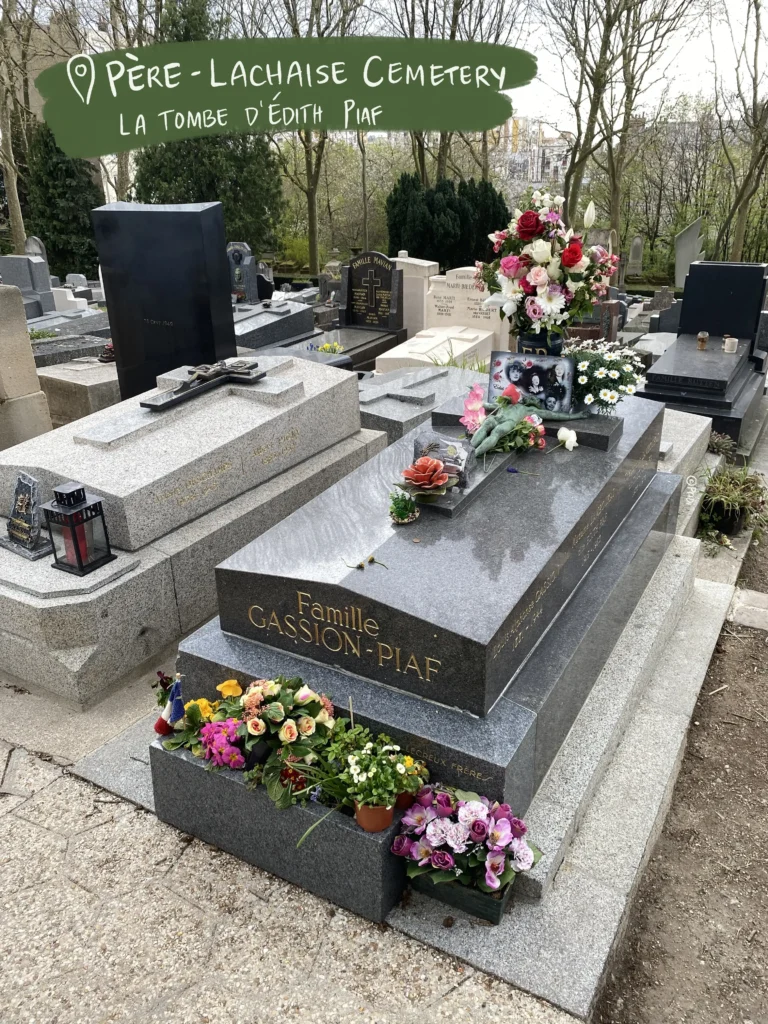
(25, 521)
(453, 617)
(454, 300)
(372, 278)
(167, 288)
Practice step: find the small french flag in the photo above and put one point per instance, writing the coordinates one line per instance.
(173, 711)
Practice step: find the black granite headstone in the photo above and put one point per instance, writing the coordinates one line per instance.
(723, 298)
(371, 293)
(166, 283)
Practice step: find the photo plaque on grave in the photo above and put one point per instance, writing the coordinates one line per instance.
(24, 521)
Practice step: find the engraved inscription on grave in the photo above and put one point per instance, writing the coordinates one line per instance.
(347, 631)
(371, 290)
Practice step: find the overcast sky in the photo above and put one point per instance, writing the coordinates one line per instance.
(688, 69)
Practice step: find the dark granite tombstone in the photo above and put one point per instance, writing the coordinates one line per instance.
(30, 275)
(274, 322)
(370, 309)
(476, 617)
(166, 282)
(250, 280)
(720, 298)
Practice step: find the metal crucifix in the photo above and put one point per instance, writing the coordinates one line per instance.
(205, 378)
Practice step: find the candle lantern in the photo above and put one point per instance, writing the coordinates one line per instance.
(77, 530)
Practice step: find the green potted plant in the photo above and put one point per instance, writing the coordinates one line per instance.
(734, 499)
(464, 850)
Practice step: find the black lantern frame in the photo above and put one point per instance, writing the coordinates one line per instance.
(77, 530)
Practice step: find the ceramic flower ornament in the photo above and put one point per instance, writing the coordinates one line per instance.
(426, 479)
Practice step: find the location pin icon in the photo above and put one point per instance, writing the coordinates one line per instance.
(81, 72)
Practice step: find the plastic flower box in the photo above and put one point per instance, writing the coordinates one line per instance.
(337, 861)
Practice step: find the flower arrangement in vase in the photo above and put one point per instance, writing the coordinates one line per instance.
(545, 275)
(464, 849)
(605, 373)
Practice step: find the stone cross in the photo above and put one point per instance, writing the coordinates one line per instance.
(401, 392)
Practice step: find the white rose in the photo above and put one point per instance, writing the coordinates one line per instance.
(541, 251)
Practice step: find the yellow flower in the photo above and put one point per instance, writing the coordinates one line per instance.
(207, 710)
(230, 688)
(408, 761)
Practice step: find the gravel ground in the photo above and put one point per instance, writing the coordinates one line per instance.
(109, 915)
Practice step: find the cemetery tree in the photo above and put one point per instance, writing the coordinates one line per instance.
(742, 116)
(444, 223)
(240, 171)
(61, 192)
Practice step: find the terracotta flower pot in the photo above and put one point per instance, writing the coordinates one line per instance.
(373, 818)
(404, 801)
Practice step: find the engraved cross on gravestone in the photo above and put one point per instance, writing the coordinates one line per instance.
(372, 283)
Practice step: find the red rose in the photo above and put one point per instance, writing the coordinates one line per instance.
(529, 226)
(571, 254)
(525, 284)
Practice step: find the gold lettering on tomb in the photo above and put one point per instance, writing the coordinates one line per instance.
(345, 631)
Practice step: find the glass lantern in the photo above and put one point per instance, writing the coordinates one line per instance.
(77, 530)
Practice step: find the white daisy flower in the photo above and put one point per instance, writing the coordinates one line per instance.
(582, 379)
(622, 387)
(627, 368)
(589, 399)
(601, 372)
(611, 356)
(583, 366)
(605, 395)
(630, 389)
(613, 397)
(614, 374)
(401, 768)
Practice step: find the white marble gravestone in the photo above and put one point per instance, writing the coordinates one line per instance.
(687, 249)
(416, 278)
(463, 346)
(182, 490)
(453, 300)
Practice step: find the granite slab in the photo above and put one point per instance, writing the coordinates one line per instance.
(157, 471)
(362, 344)
(53, 351)
(452, 617)
(684, 366)
(506, 753)
(594, 431)
(402, 399)
(337, 861)
(270, 322)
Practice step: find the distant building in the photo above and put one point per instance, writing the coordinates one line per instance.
(531, 155)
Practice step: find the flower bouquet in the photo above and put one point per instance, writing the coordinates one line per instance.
(544, 276)
(464, 849)
(605, 373)
(280, 720)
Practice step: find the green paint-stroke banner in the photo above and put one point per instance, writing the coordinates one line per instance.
(121, 100)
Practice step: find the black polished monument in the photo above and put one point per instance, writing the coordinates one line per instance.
(719, 298)
(167, 288)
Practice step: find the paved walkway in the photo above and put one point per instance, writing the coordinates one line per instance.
(108, 915)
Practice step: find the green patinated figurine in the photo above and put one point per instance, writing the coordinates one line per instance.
(503, 418)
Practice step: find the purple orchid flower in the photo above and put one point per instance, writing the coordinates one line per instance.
(421, 851)
(416, 818)
(495, 864)
(499, 835)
